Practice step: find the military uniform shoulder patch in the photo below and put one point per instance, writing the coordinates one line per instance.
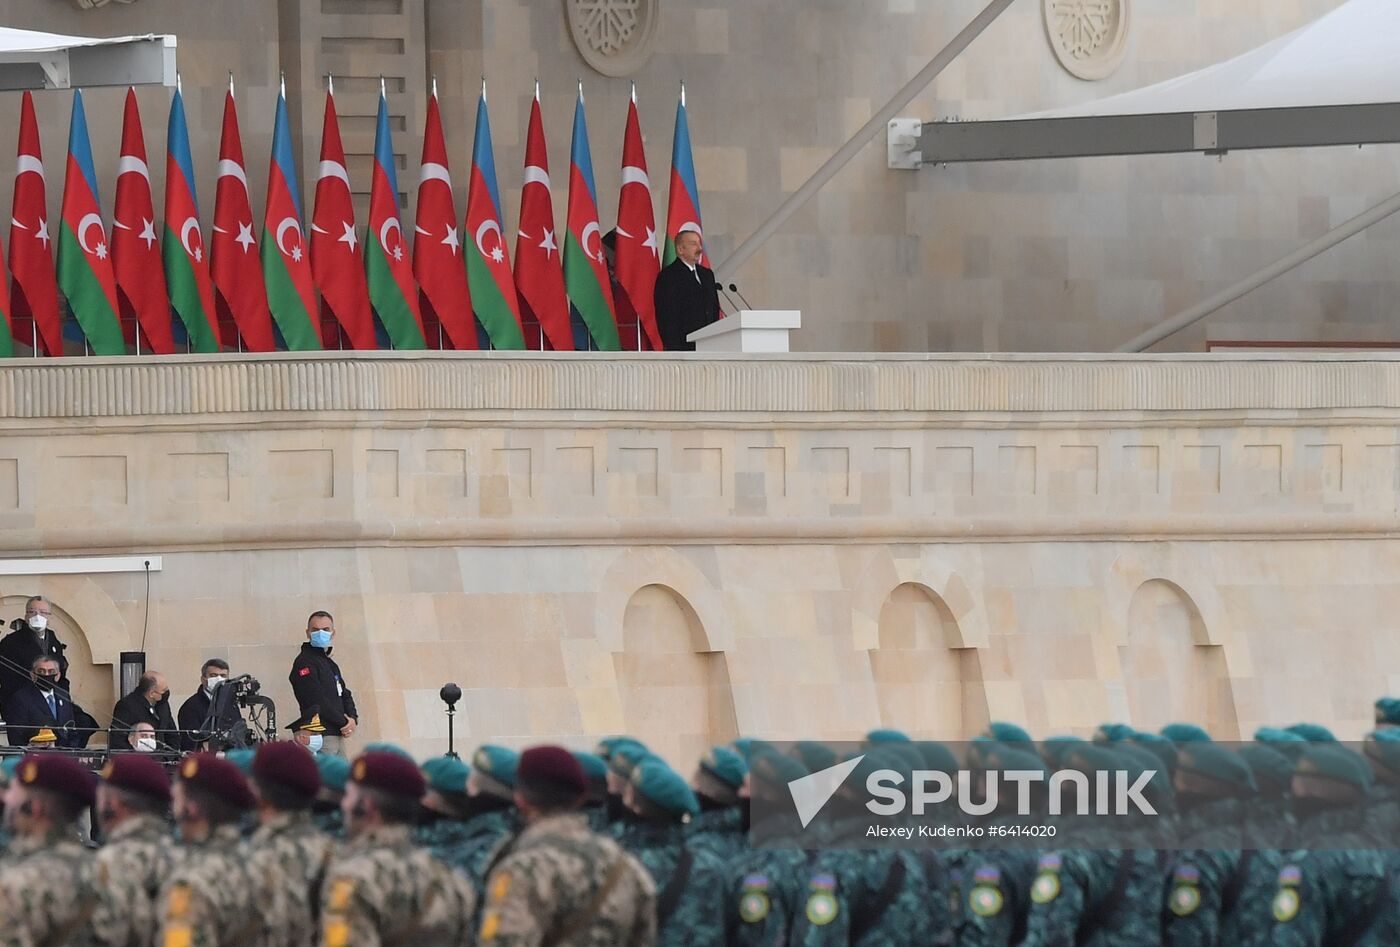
(753, 899)
(490, 926)
(1287, 899)
(1046, 887)
(821, 903)
(985, 900)
(342, 890)
(178, 905)
(500, 886)
(1184, 900)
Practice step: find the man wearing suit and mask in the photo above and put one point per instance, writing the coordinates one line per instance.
(686, 295)
(42, 704)
(30, 637)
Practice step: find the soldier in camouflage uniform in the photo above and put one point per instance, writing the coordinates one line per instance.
(595, 803)
(690, 879)
(719, 824)
(442, 828)
(133, 798)
(1332, 890)
(381, 889)
(557, 883)
(8, 765)
(1097, 895)
(1383, 816)
(287, 854)
(489, 815)
(766, 887)
(47, 882)
(208, 900)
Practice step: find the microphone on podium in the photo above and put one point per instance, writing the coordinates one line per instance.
(734, 288)
(728, 298)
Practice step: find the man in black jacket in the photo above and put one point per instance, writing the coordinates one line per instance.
(42, 703)
(31, 637)
(686, 297)
(194, 712)
(319, 686)
(149, 702)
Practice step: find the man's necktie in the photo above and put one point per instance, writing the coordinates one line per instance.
(53, 707)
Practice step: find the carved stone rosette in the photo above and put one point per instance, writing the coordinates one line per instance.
(615, 37)
(1089, 37)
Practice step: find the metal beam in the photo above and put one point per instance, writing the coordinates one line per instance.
(860, 139)
(1160, 133)
(148, 60)
(1250, 283)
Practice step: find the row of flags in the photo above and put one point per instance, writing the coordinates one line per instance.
(332, 285)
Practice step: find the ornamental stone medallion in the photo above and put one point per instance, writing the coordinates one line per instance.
(94, 4)
(615, 37)
(1089, 37)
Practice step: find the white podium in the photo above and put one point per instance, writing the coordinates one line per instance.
(749, 330)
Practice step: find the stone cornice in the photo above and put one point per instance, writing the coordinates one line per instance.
(525, 383)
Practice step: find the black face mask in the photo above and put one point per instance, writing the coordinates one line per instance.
(617, 809)
(46, 684)
(1307, 807)
(428, 816)
(711, 804)
(479, 805)
(746, 813)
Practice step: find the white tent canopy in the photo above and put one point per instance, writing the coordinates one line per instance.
(1336, 81)
(35, 60)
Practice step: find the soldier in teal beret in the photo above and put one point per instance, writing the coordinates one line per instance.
(936, 756)
(876, 737)
(763, 884)
(487, 812)
(690, 879)
(716, 783)
(595, 802)
(1053, 749)
(1387, 713)
(1004, 732)
(1268, 818)
(1382, 749)
(1330, 889)
(1113, 733)
(443, 826)
(383, 747)
(1312, 732)
(1185, 733)
(813, 755)
(1159, 746)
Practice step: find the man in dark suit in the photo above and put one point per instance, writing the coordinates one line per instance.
(31, 636)
(41, 703)
(686, 295)
(150, 701)
(194, 719)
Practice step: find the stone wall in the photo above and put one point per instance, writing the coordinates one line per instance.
(1040, 256)
(687, 548)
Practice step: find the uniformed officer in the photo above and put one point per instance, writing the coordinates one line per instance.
(1382, 749)
(133, 799)
(489, 812)
(209, 898)
(1332, 890)
(622, 757)
(380, 888)
(47, 891)
(557, 883)
(1387, 713)
(325, 812)
(287, 853)
(766, 886)
(442, 826)
(595, 802)
(716, 783)
(689, 878)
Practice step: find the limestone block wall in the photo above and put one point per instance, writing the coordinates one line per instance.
(689, 549)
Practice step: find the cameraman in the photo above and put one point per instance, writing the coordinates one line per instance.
(194, 720)
(319, 686)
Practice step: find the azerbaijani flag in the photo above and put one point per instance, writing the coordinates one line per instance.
(84, 263)
(586, 273)
(286, 265)
(388, 267)
(683, 209)
(186, 265)
(488, 259)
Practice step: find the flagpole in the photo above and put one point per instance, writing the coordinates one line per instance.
(34, 334)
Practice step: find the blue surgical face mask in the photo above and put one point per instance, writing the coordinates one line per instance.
(321, 639)
(314, 745)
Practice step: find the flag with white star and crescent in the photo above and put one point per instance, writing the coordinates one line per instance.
(286, 266)
(638, 260)
(234, 264)
(388, 267)
(492, 283)
(84, 255)
(136, 260)
(336, 260)
(539, 274)
(34, 292)
(437, 244)
(186, 262)
(585, 267)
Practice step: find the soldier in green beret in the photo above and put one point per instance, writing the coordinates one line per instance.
(719, 824)
(442, 826)
(325, 812)
(764, 884)
(1382, 748)
(488, 812)
(1331, 889)
(595, 802)
(690, 878)
(1387, 713)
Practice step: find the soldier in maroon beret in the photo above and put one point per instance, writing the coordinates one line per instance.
(287, 853)
(209, 898)
(383, 884)
(46, 881)
(133, 796)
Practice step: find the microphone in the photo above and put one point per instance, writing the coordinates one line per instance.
(734, 288)
(720, 287)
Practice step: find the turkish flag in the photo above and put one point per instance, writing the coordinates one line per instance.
(235, 265)
(539, 275)
(437, 250)
(336, 260)
(638, 247)
(34, 294)
(136, 259)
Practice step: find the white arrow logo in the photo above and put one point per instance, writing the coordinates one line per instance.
(811, 793)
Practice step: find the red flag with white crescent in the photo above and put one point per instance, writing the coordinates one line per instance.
(235, 263)
(437, 249)
(34, 293)
(638, 245)
(336, 257)
(539, 273)
(136, 259)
